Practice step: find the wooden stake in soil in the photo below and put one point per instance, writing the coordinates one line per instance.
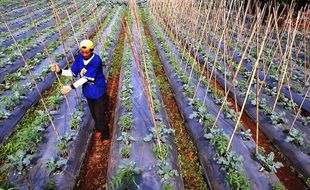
(250, 84)
(46, 51)
(32, 77)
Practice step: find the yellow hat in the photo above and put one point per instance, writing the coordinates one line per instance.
(87, 44)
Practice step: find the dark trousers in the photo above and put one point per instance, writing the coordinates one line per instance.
(99, 111)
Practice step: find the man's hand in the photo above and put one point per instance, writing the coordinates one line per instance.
(55, 68)
(65, 90)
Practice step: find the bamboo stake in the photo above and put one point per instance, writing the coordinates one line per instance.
(72, 27)
(193, 39)
(213, 71)
(205, 60)
(93, 13)
(257, 108)
(147, 89)
(299, 109)
(81, 21)
(46, 51)
(71, 52)
(236, 73)
(287, 53)
(32, 77)
(249, 87)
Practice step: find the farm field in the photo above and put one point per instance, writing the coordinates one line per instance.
(201, 95)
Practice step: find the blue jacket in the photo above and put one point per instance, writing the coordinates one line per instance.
(95, 87)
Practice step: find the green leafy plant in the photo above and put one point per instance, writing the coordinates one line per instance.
(230, 114)
(125, 176)
(237, 180)
(278, 186)
(202, 115)
(50, 185)
(287, 103)
(295, 136)
(76, 120)
(20, 160)
(246, 135)
(231, 161)
(278, 118)
(218, 139)
(125, 151)
(163, 133)
(267, 161)
(54, 101)
(4, 114)
(9, 102)
(63, 144)
(127, 104)
(54, 166)
(126, 138)
(166, 172)
(161, 152)
(125, 122)
(272, 91)
(242, 84)
(306, 121)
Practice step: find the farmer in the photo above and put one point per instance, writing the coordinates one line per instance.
(89, 66)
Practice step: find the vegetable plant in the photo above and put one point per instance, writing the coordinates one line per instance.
(237, 180)
(278, 186)
(125, 151)
(246, 135)
(125, 122)
(125, 176)
(295, 136)
(63, 144)
(278, 118)
(267, 160)
(231, 161)
(126, 138)
(166, 172)
(20, 160)
(217, 139)
(55, 165)
(76, 120)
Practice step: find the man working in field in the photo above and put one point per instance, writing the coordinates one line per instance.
(89, 66)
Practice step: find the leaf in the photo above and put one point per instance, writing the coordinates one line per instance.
(148, 138)
(278, 165)
(208, 136)
(222, 160)
(193, 115)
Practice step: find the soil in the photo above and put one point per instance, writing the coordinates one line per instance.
(94, 170)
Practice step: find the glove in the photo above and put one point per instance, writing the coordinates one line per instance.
(55, 68)
(65, 90)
